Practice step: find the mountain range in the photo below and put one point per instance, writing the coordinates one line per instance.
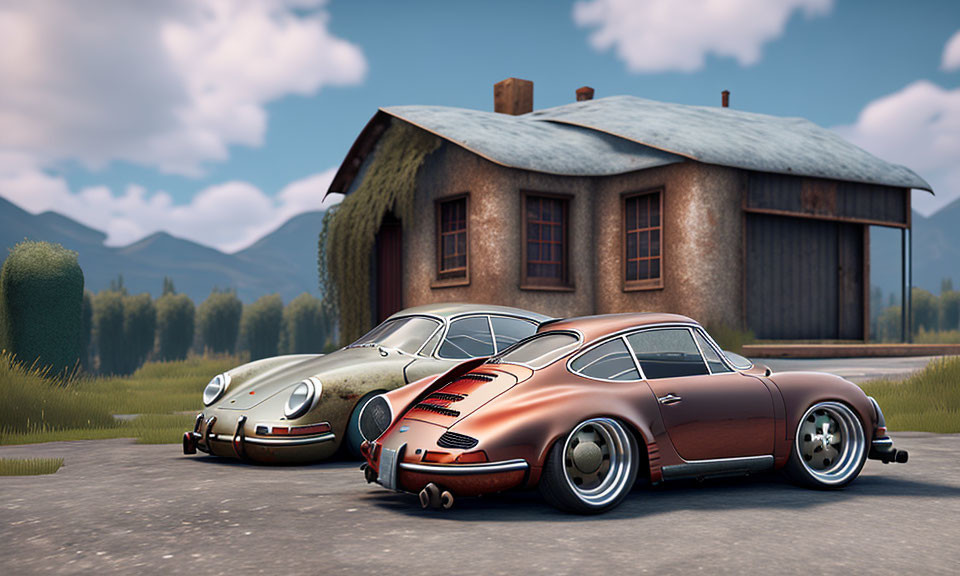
(284, 261)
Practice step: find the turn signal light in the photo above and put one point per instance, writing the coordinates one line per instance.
(436, 456)
(472, 457)
(881, 431)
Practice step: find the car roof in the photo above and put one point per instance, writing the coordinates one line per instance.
(451, 309)
(594, 327)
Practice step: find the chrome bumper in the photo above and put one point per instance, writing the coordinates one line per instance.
(466, 469)
(201, 436)
(882, 449)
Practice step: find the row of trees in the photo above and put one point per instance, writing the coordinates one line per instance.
(125, 330)
(931, 313)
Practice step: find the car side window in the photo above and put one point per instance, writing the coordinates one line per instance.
(509, 331)
(713, 359)
(667, 353)
(608, 361)
(467, 338)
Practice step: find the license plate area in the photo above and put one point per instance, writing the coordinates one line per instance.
(388, 467)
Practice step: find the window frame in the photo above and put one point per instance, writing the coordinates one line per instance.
(647, 283)
(439, 280)
(564, 283)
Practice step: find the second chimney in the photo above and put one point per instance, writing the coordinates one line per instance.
(513, 96)
(584, 93)
(725, 98)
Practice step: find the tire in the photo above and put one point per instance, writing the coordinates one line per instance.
(595, 478)
(830, 447)
(352, 437)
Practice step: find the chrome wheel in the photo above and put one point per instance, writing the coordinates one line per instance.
(830, 443)
(597, 461)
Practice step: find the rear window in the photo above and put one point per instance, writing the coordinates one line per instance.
(667, 353)
(539, 350)
(609, 361)
(468, 338)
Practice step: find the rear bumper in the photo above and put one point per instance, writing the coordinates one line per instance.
(882, 449)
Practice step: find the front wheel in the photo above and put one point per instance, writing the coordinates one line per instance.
(830, 447)
(593, 469)
(353, 437)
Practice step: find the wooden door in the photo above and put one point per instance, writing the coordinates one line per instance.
(388, 277)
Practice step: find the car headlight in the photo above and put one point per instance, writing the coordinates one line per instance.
(303, 397)
(375, 417)
(215, 388)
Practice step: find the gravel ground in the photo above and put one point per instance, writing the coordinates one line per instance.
(118, 507)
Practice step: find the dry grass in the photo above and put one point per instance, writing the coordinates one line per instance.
(928, 401)
(29, 467)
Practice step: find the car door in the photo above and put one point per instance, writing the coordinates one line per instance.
(709, 410)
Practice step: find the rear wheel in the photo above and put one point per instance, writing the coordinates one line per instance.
(353, 438)
(830, 447)
(591, 470)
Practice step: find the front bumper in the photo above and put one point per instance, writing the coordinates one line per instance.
(882, 449)
(256, 447)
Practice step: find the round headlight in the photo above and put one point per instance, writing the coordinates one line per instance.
(215, 388)
(375, 417)
(302, 397)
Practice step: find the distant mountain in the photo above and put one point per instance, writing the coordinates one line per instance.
(284, 261)
(936, 252)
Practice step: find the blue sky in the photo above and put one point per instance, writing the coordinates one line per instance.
(265, 101)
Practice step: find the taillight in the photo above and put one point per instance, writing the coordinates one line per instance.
(472, 457)
(881, 432)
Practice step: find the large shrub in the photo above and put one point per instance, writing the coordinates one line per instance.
(950, 310)
(41, 298)
(218, 321)
(175, 326)
(108, 331)
(261, 324)
(925, 311)
(306, 326)
(139, 329)
(86, 329)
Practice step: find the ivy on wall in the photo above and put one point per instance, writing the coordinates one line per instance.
(350, 229)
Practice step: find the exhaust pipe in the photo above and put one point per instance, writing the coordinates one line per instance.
(369, 474)
(446, 500)
(189, 444)
(430, 496)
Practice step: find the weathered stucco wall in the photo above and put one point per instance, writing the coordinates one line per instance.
(701, 237)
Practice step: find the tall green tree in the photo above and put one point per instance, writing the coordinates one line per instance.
(307, 327)
(218, 321)
(261, 325)
(175, 326)
(86, 330)
(41, 306)
(950, 310)
(168, 286)
(925, 311)
(108, 331)
(139, 330)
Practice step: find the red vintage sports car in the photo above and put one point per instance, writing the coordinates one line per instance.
(586, 405)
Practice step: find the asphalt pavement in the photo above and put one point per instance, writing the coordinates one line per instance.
(121, 508)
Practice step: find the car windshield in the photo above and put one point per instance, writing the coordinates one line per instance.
(404, 334)
(539, 350)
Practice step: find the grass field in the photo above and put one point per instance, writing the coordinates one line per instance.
(164, 395)
(928, 401)
(29, 466)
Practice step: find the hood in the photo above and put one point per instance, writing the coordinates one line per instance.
(254, 383)
(461, 397)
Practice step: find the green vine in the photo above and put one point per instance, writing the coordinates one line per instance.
(350, 229)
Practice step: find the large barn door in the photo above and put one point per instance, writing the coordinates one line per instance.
(388, 273)
(804, 278)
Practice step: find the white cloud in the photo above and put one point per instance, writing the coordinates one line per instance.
(168, 85)
(919, 127)
(666, 35)
(227, 216)
(951, 54)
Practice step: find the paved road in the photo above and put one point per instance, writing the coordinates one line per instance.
(853, 369)
(117, 507)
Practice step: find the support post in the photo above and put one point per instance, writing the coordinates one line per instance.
(903, 284)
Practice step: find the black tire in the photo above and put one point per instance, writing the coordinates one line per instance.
(561, 491)
(814, 461)
(352, 438)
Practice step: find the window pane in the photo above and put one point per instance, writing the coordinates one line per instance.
(509, 331)
(633, 251)
(545, 251)
(462, 243)
(654, 242)
(632, 270)
(713, 359)
(540, 351)
(610, 361)
(643, 215)
(643, 269)
(468, 338)
(406, 334)
(533, 232)
(631, 208)
(655, 209)
(654, 268)
(667, 353)
(644, 244)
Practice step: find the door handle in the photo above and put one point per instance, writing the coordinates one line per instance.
(669, 399)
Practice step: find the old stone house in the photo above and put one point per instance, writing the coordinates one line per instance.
(625, 204)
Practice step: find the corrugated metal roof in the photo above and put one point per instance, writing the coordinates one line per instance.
(734, 138)
(522, 142)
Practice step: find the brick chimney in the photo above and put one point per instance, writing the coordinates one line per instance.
(725, 98)
(513, 96)
(584, 93)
